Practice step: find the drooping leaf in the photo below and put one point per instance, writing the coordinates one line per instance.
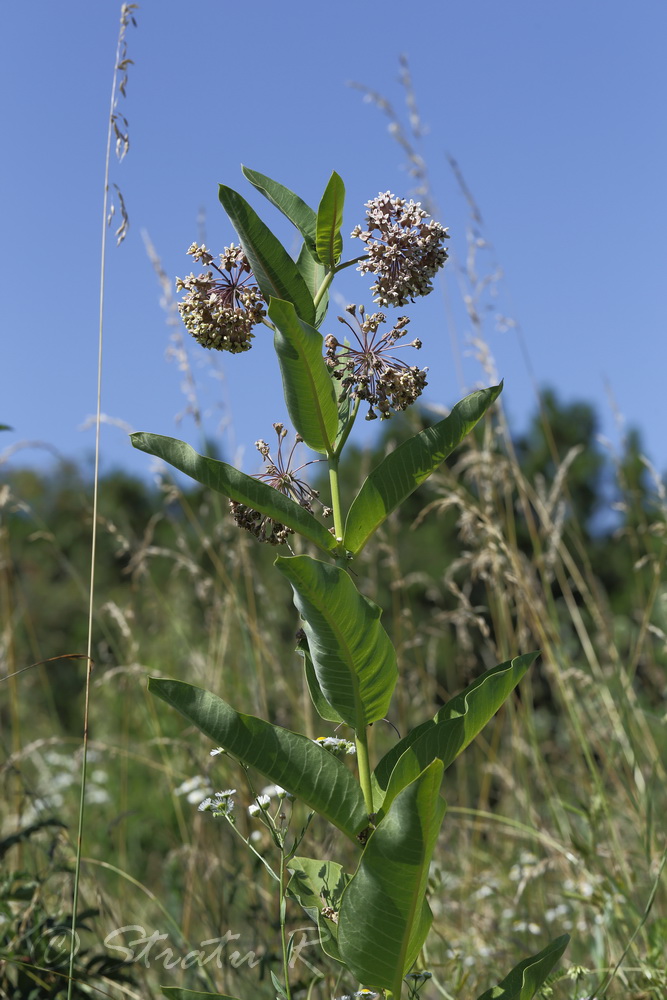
(297, 211)
(352, 655)
(322, 706)
(236, 485)
(318, 886)
(404, 469)
(384, 917)
(307, 384)
(313, 273)
(329, 221)
(275, 272)
(288, 759)
(455, 726)
(525, 979)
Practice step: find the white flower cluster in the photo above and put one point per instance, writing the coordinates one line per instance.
(220, 804)
(221, 310)
(367, 367)
(403, 250)
(194, 788)
(263, 800)
(335, 745)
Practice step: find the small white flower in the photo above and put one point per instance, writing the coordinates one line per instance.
(221, 804)
(261, 804)
(194, 788)
(216, 751)
(277, 791)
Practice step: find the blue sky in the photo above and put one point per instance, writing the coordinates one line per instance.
(554, 112)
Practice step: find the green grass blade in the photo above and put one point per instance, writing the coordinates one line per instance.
(525, 979)
(384, 917)
(329, 221)
(294, 208)
(299, 765)
(454, 727)
(275, 272)
(402, 471)
(307, 384)
(352, 655)
(178, 993)
(236, 485)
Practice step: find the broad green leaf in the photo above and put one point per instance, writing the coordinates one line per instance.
(288, 759)
(525, 979)
(236, 485)
(449, 733)
(313, 273)
(307, 384)
(384, 917)
(322, 706)
(317, 885)
(178, 993)
(329, 222)
(300, 215)
(402, 471)
(353, 657)
(275, 272)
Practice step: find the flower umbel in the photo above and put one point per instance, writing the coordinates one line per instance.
(369, 370)
(406, 252)
(282, 477)
(221, 310)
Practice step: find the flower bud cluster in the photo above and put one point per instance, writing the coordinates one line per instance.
(280, 475)
(403, 250)
(369, 370)
(220, 310)
(263, 527)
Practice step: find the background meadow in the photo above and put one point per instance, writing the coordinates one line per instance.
(545, 530)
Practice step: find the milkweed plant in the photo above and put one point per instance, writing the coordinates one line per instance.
(372, 920)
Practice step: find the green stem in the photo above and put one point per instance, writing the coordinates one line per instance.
(363, 762)
(283, 937)
(335, 497)
(348, 427)
(328, 278)
(348, 263)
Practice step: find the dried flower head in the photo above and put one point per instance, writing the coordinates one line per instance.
(220, 310)
(403, 249)
(282, 477)
(369, 370)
